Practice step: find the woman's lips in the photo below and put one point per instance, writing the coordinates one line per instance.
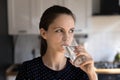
(65, 45)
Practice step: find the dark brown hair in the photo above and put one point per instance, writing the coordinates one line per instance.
(47, 18)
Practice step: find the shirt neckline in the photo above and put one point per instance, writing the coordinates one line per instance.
(67, 64)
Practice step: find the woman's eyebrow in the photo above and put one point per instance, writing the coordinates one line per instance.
(58, 27)
(73, 28)
(61, 27)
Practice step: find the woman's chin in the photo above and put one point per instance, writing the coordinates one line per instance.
(63, 50)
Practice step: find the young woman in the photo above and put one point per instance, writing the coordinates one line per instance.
(57, 30)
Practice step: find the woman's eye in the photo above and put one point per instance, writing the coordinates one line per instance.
(72, 30)
(59, 30)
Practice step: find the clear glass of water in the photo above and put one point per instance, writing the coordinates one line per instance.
(72, 55)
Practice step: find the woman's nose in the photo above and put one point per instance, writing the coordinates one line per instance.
(65, 37)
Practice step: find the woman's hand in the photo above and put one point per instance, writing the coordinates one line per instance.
(87, 64)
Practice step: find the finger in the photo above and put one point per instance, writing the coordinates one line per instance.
(71, 62)
(83, 54)
(88, 61)
(79, 47)
(87, 65)
(79, 50)
(79, 60)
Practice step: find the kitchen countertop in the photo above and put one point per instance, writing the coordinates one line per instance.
(12, 70)
(108, 71)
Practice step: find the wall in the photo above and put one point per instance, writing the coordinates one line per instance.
(24, 44)
(3, 17)
(104, 39)
(103, 46)
(6, 50)
(6, 41)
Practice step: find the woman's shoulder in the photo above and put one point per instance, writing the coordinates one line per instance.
(33, 62)
(29, 68)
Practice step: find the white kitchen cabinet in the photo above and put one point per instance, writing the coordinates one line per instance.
(24, 15)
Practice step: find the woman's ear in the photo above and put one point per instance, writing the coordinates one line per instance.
(43, 33)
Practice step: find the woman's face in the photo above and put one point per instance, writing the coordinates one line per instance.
(60, 32)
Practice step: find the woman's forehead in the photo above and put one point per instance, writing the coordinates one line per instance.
(64, 20)
(64, 17)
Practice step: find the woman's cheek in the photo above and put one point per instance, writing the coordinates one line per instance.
(59, 36)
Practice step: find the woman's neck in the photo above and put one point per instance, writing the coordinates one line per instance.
(54, 61)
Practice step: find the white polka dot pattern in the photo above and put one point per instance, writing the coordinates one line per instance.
(36, 70)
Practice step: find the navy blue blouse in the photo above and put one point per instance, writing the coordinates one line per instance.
(36, 70)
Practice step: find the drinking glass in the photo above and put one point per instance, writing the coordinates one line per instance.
(77, 60)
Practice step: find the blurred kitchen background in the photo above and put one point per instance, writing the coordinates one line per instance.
(98, 25)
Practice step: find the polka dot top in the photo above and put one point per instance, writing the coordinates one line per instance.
(36, 70)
